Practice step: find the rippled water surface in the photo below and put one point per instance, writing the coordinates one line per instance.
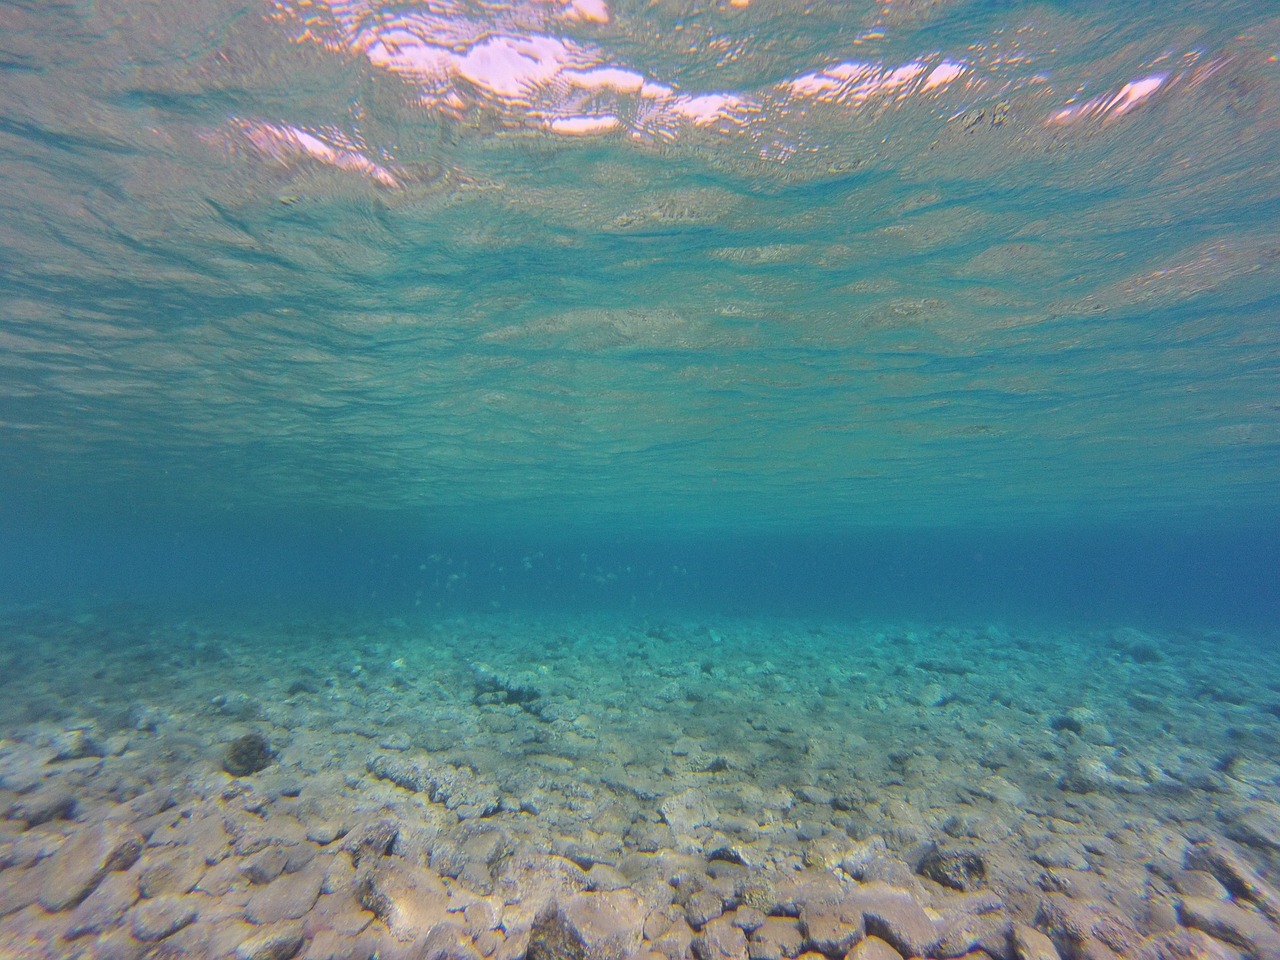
(747, 264)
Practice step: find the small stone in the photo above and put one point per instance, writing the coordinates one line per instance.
(873, 948)
(856, 860)
(604, 878)
(1030, 944)
(1198, 883)
(703, 907)
(162, 917)
(1183, 944)
(82, 861)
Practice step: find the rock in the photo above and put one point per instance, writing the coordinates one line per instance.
(688, 810)
(1057, 852)
(589, 926)
(457, 788)
(170, 870)
(1185, 945)
(894, 916)
(1198, 883)
(831, 927)
(104, 907)
(1085, 926)
(857, 859)
(265, 865)
(288, 897)
(448, 941)
(324, 832)
(247, 755)
(1257, 826)
(957, 869)
(1030, 944)
(82, 861)
(998, 788)
(604, 878)
(51, 803)
(720, 940)
(873, 948)
(274, 943)
(777, 937)
(1231, 869)
(1229, 923)
(408, 899)
(164, 916)
(965, 933)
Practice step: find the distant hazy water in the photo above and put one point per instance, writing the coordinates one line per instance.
(617, 270)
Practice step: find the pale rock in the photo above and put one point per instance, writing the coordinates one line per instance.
(80, 864)
(162, 917)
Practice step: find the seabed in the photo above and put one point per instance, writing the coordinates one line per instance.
(500, 786)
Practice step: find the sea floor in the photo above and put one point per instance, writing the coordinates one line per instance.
(573, 788)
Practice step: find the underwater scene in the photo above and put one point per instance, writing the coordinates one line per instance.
(639, 480)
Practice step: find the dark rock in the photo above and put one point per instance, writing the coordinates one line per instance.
(247, 755)
(371, 841)
(957, 869)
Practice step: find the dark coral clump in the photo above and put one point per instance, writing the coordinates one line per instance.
(247, 754)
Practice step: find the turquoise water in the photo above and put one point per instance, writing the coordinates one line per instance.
(593, 273)
(764, 426)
